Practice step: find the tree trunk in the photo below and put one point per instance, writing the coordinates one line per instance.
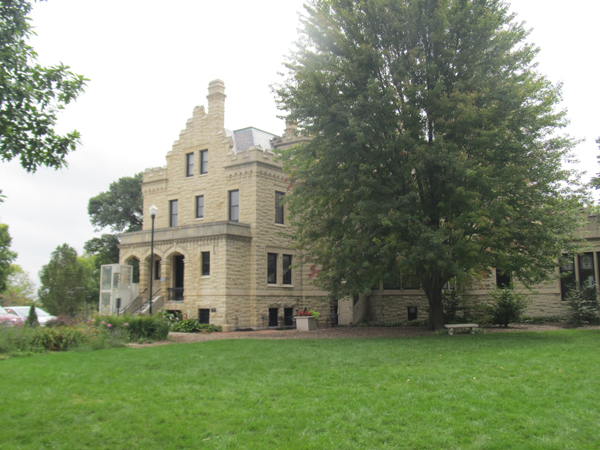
(436, 310)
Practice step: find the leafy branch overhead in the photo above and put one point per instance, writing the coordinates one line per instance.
(31, 95)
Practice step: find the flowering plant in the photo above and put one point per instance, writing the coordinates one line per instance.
(312, 313)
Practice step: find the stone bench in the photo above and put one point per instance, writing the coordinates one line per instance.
(452, 327)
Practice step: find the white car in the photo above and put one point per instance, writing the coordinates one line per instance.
(23, 313)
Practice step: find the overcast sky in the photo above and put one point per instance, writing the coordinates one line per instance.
(149, 64)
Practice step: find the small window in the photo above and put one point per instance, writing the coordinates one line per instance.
(413, 313)
(189, 165)
(205, 264)
(502, 279)
(279, 207)
(288, 317)
(272, 268)
(273, 317)
(567, 276)
(157, 270)
(204, 315)
(173, 212)
(203, 161)
(234, 206)
(287, 269)
(199, 206)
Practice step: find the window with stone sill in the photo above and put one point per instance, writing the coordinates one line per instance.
(189, 165)
(205, 264)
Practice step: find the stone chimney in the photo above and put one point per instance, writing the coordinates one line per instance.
(216, 101)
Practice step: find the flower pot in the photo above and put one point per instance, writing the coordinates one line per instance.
(306, 323)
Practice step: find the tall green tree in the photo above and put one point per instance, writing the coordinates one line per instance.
(120, 209)
(6, 256)
(20, 290)
(434, 150)
(59, 279)
(31, 95)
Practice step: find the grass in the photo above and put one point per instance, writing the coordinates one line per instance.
(496, 391)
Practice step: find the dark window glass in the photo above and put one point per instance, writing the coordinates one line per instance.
(288, 317)
(586, 269)
(203, 161)
(410, 282)
(173, 212)
(199, 206)
(234, 206)
(287, 269)
(204, 315)
(273, 312)
(205, 263)
(157, 270)
(189, 165)
(272, 268)
(279, 207)
(502, 279)
(567, 276)
(412, 313)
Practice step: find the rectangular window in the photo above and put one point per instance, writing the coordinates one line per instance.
(199, 206)
(234, 206)
(272, 268)
(173, 212)
(586, 269)
(502, 279)
(413, 314)
(273, 319)
(287, 269)
(391, 280)
(203, 161)
(205, 264)
(189, 165)
(279, 207)
(204, 315)
(567, 277)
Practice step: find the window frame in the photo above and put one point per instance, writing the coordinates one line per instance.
(286, 278)
(232, 206)
(203, 162)
(272, 268)
(189, 165)
(279, 210)
(201, 215)
(173, 214)
(205, 264)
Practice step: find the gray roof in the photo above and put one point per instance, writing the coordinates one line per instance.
(247, 137)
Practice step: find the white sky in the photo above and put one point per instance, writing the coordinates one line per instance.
(149, 64)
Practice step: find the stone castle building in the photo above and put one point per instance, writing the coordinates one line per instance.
(220, 250)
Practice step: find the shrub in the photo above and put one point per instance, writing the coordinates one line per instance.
(454, 307)
(193, 326)
(155, 327)
(32, 318)
(61, 321)
(507, 305)
(583, 305)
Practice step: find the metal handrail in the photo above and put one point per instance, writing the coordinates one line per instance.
(147, 302)
(135, 304)
(175, 294)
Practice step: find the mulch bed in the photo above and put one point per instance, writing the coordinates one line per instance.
(341, 333)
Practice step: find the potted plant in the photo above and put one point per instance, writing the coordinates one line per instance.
(307, 320)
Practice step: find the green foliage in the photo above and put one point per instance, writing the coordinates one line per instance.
(434, 149)
(6, 256)
(315, 314)
(507, 306)
(20, 290)
(193, 326)
(120, 208)
(31, 95)
(455, 306)
(582, 302)
(542, 319)
(59, 277)
(395, 323)
(139, 327)
(32, 318)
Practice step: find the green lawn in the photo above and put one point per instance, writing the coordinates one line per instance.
(484, 391)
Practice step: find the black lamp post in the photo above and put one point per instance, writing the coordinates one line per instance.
(153, 211)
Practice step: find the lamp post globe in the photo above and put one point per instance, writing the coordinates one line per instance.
(153, 211)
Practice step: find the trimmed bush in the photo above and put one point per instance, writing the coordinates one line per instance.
(32, 318)
(155, 327)
(507, 306)
(193, 326)
(582, 302)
